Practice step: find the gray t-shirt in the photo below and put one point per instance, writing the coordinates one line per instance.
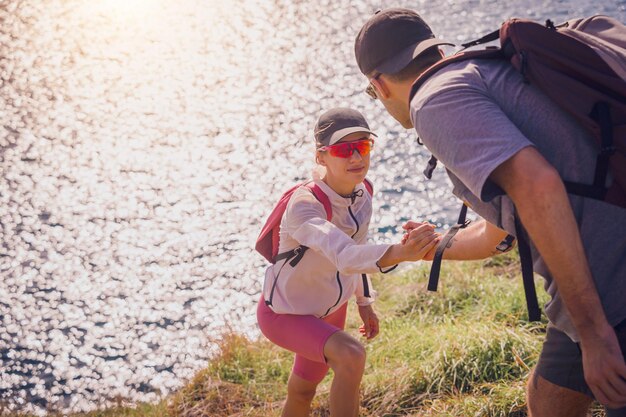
(474, 115)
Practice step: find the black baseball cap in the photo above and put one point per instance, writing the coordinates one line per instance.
(391, 39)
(337, 123)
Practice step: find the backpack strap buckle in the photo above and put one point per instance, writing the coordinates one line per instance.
(294, 256)
(298, 253)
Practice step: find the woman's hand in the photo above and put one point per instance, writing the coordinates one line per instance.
(412, 225)
(419, 240)
(370, 328)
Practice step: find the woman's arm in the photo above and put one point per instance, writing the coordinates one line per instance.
(306, 223)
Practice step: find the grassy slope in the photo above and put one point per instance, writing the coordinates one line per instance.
(463, 351)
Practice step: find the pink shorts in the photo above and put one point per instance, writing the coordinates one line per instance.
(303, 335)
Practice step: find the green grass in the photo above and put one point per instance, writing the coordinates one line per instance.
(465, 350)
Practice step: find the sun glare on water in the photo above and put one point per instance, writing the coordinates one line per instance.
(127, 8)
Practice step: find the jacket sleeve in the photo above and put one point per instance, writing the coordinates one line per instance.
(307, 224)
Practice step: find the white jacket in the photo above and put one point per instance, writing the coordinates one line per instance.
(333, 267)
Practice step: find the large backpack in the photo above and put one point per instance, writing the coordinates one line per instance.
(581, 66)
(268, 241)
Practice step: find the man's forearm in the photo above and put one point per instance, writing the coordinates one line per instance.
(553, 229)
(477, 241)
(544, 209)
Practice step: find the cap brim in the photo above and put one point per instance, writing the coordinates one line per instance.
(342, 133)
(408, 54)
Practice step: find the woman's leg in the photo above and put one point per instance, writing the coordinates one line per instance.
(300, 393)
(346, 357)
(307, 336)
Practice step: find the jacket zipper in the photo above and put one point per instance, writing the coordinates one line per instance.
(338, 298)
(337, 275)
(355, 222)
(366, 289)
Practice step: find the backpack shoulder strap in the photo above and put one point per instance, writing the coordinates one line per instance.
(435, 269)
(491, 53)
(296, 254)
(321, 197)
(369, 186)
(526, 260)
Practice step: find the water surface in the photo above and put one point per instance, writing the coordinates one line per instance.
(142, 144)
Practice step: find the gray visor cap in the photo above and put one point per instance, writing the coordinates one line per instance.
(391, 39)
(398, 62)
(337, 123)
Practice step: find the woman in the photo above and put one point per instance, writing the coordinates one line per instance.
(304, 302)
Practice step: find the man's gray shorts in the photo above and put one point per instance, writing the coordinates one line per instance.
(560, 362)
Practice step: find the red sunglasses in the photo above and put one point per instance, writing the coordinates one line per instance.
(346, 149)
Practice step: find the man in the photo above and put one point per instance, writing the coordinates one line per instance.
(501, 142)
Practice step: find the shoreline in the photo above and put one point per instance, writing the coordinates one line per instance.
(463, 350)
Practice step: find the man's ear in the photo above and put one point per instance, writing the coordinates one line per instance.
(381, 86)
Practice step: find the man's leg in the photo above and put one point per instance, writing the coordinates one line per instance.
(546, 399)
(557, 384)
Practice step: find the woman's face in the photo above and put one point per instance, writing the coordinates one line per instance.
(346, 172)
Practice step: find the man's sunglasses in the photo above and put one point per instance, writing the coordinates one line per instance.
(370, 90)
(346, 149)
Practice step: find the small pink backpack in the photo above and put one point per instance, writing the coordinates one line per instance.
(268, 240)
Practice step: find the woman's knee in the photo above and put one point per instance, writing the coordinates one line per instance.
(345, 352)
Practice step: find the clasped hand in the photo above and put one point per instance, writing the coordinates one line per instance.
(420, 239)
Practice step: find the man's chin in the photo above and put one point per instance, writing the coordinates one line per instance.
(407, 124)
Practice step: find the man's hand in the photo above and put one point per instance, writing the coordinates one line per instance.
(370, 328)
(605, 370)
